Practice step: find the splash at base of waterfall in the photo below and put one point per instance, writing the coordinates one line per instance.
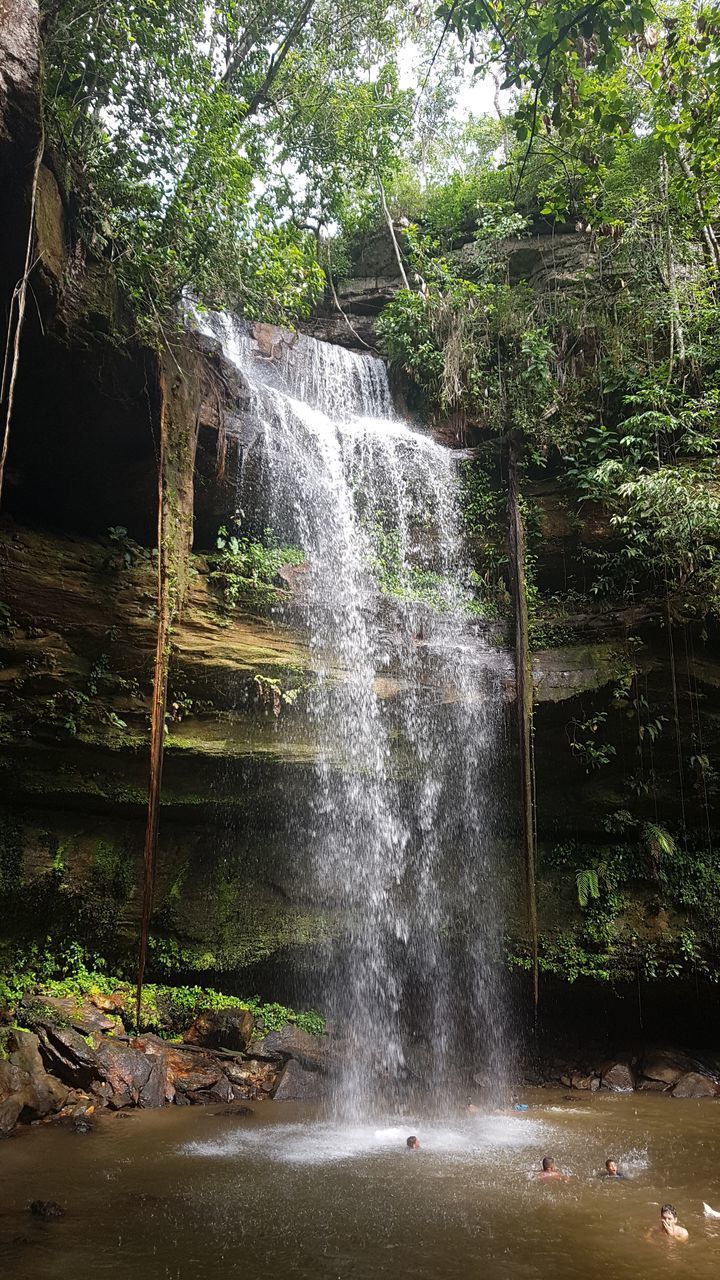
(399, 838)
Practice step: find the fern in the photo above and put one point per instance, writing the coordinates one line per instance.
(587, 886)
(658, 840)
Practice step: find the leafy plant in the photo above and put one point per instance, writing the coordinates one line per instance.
(248, 571)
(586, 743)
(587, 886)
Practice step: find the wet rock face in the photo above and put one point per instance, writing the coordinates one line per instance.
(298, 1084)
(221, 1029)
(664, 1067)
(19, 131)
(26, 1089)
(695, 1085)
(312, 1052)
(617, 1076)
(126, 1071)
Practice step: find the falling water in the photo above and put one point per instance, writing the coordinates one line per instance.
(404, 816)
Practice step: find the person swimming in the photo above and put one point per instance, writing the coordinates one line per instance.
(669, 1225)
(549, 1172)
(413, 1143)
(612, 1171)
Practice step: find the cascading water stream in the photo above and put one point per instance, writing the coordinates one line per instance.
(398, 838)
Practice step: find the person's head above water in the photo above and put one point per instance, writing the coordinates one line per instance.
(413, 1144)
(668, 1213)
(611, 1166)
(548, 1164)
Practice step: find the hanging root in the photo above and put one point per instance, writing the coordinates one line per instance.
(159, 702)
(178, 428)
(524, 686)
(17, 306)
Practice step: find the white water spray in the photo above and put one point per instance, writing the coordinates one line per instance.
(398, 838)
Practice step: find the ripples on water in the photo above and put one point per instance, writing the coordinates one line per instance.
(198, 1194)
(320, 1143)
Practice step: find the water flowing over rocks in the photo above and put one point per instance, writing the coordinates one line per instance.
(405, 698)
(301, 436)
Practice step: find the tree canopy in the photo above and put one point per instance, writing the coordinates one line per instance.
(209, 142)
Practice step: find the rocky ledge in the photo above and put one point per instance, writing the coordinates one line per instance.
(653, 1069)
(64, 1059)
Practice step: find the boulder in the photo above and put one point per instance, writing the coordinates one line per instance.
(251, 1076)
(113, 1005)
(617, 1076)
(665, 1065)
(222, 1029)
(15, 1093)
(297, 1083)
(222, 1091)
(154, 1091)
(26, 1090)
(23, 1051)
(290, 1041)
(67, 1055)
(192, 1072)
(126, 1070)
(12, 1078)
(10, 1111)
(47, 1209)
(82, 1013)
(48, 1094)
(694, 1085)
(160, 1085)
(590, 1082)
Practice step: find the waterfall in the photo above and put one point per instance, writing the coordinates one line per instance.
(398, 837)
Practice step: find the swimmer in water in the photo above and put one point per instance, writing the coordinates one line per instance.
(413, 1144)
(612, 1171)
(472, 1108)
(669, 1225)
(549, 1173)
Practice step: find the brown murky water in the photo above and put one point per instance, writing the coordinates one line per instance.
(189, 1194)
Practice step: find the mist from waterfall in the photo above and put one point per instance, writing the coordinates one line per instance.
(398, 838)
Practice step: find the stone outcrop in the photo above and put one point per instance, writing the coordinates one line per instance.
(59, 1070)
(655, 1069)
(222, 1029)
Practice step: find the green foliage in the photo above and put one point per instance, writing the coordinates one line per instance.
(414, 583)
(248, 571)
(124, 551)
(587, 885)
(73, 972)
(658, 841)
(473, 349)
(186, 126)
(585, 738)
(170, 1010)
(272, 695)
(75, 711)
(649, 907)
